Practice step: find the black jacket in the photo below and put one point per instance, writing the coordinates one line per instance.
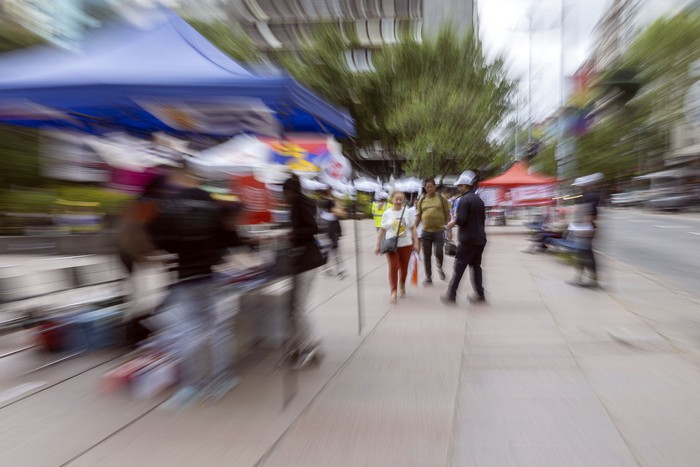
(304, 229)
(471, 219)
(199, 239)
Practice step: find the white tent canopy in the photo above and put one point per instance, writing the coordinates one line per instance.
(409, 185)
(366, 185)
(127, 153)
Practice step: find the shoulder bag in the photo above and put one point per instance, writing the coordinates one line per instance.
(389, 245)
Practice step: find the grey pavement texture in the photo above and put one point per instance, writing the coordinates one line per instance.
(543, 374)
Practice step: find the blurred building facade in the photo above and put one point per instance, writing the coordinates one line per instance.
(283, 25)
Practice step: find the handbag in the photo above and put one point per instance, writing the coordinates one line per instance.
(450, 248)
(298, 259)
(389, 245)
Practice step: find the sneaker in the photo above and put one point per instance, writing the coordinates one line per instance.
(428, 281)
(306, 356)
(447, 300)
(441, 274)
(182, 399)
(402, 292)
(476, 299)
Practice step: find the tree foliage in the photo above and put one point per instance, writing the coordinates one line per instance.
(623, 144)
(433, 102)
(19, 147)
(446, 99)
(230, 39)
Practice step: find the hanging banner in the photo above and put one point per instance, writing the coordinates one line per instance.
(525, 195)
(311, 154)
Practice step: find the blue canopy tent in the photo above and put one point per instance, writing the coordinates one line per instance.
(166, 77)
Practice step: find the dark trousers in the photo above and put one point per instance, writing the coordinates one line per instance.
(585, 260)
(429, 239)
(467, 255)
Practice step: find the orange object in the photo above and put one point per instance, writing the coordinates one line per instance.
(414, 272)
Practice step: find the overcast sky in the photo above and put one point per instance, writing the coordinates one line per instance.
(504, 29)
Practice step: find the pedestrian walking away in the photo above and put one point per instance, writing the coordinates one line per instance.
(433, 215)
(331, 214)
(398, 229)
(585, 229)
(193, 226)
(303, 347)
(471, 220)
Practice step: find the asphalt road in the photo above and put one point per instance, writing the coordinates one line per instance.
(666, 246)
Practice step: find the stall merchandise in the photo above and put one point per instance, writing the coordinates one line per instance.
(167, 78)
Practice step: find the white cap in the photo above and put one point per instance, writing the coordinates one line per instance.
(466, 178)
(588, 179)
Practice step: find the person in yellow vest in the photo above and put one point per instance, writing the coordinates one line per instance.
(378, 208)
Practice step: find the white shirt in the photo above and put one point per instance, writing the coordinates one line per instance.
(390, 223)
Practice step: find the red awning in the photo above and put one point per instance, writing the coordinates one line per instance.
(518, 175)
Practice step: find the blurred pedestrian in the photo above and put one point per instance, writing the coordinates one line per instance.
(303, 347)
(471, 219)
(378, 208)
(331, 214)
(585, 229)
(398, 229)
(433, 215)
(193, 226)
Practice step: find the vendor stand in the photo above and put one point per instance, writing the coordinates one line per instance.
(166, 78)
(516, 188)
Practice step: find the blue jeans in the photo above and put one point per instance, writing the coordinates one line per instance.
(195, 323)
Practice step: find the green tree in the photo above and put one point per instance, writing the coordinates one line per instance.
(229, 38)
(19, 147)
(634, 138)
(14, 37)
(322, 66)
(446, 99)
(433, 102)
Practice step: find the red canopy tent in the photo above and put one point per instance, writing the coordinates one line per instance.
(520, 187)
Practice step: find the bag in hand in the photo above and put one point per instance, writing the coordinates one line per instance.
(450, 248)
(295, 260)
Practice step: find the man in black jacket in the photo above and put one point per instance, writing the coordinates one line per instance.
(471, 219)
(306, 257)
(191, 225)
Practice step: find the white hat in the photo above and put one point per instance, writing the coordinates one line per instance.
(466, 178)
(588, 179)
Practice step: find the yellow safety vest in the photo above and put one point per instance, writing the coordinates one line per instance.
(377, 214)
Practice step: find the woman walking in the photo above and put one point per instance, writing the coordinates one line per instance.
(398, 228)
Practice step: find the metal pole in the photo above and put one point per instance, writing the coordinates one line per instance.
(529, 88)
(357, 271)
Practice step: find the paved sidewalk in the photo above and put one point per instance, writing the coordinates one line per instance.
(544, 374)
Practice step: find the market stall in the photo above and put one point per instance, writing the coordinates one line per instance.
(517, 187)
(166, 78)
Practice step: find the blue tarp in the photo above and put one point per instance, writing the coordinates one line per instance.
(163, 78)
